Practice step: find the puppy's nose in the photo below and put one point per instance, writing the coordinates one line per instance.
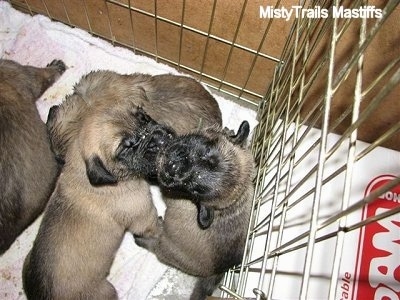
(178, 164)
(177, 169)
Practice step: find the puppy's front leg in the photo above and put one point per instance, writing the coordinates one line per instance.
(148, 243)
(150, 237)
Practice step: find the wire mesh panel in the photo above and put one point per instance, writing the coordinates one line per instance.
(326, 88)
(223, 43)
(312, 192)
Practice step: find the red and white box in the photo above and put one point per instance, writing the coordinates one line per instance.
(377, 269)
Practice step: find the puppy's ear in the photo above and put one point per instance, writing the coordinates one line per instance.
(142, 116)
(205, 216)
(97, 172)
(241, 135)
(52, 114)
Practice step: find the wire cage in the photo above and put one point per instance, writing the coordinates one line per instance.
(326, 89)
(308, 181)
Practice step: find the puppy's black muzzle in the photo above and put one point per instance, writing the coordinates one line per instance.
(176, 168)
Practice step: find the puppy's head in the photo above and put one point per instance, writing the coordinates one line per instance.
(115, 137)
(121, 142)
(211, 166)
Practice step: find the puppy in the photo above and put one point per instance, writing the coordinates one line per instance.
(97, 198)
(105, 142)
(27, 167)
(215, 171)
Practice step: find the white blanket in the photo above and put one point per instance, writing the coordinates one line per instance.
(36, 41)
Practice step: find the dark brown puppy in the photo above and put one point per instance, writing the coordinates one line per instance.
(215, 171)
(105, 143)
(27, 167)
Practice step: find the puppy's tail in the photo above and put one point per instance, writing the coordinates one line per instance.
(205, 286)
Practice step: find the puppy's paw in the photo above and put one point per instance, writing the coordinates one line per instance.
(228, 132)
(145, 242)
(59, 65)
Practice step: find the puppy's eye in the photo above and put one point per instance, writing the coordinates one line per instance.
(199, 190)
(131, 142)
(212, 162)
(142, 116)
(209, 158)
(207, 151)
(127, 147)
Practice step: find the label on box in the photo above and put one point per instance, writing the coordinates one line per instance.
(378, 255)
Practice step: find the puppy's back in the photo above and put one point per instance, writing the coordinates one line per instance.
(183, 103)
(177, 101)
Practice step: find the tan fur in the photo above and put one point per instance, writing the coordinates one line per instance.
(27, 166)
(203, 251)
